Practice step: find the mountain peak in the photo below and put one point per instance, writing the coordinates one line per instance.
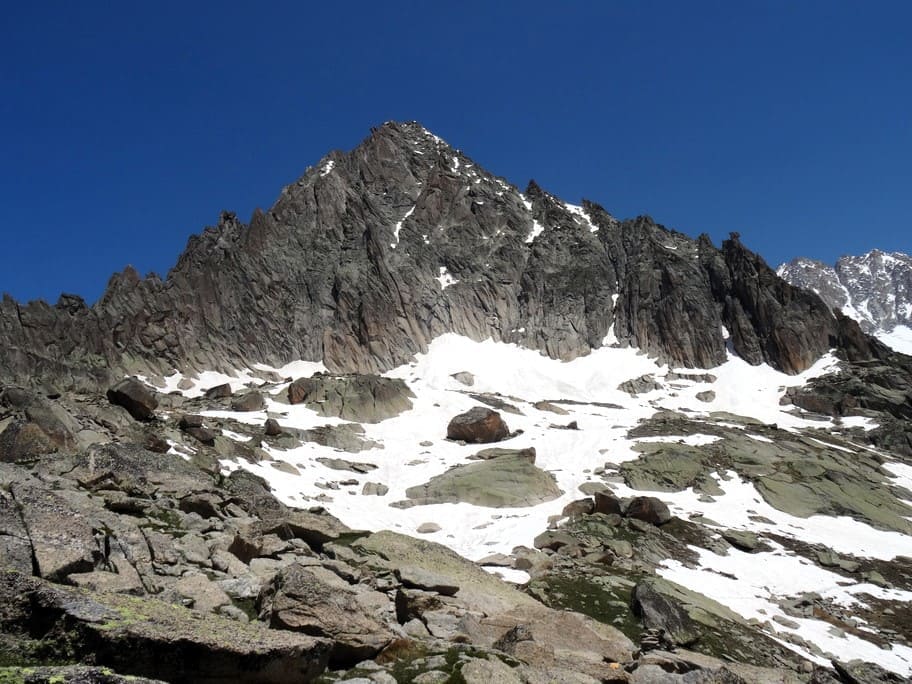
(375, 252)
(874, 288)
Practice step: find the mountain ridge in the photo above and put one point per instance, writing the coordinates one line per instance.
(371, 254)
(874, 288)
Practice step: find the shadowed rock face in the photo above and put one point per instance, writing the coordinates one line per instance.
(371, 254)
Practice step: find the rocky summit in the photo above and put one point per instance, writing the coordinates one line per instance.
(412, 424)
(875, 289)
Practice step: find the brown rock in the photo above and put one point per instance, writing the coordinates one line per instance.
(478, 425)
(134, 396)
(219, 392)
(649, 509)
(606, 502)
(252, 401)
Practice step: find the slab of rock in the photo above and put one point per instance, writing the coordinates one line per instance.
(416, 577)
(478, 425)
(316, 601)
(553, 408)
(134, 396)
(464, 377)
(507, 481)
(358, 398)
(15, 547)
(742, 540)
(496, 452)
(151, 638)
(62, 540)
(347, 437)
(350, 466)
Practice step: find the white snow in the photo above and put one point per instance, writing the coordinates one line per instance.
(581, 216)
(327, 168)
(445, 278)
(900, 339)
(523, 377)
(537, 229)
(399, 227)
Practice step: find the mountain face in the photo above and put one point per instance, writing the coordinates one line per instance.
(481, 511)
(372, 254)
(875, 289)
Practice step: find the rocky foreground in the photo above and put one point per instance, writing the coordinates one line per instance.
(129, 551)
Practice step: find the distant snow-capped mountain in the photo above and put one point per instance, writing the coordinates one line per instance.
(875, 289)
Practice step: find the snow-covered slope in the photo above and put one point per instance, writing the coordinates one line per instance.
(413, 449)
(875, 289)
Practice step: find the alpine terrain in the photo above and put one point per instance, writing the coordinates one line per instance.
(875, 289)
(412, 424)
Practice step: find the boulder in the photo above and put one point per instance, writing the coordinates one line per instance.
(22, 441)
(416, 577)
(358, 398)
(578, 508)
(648, 509)
(374, 489)
(222, 391)
(478, 425)
(316, 601)
(660, 611)
(464, 378)
(251, 401)
(271, 428)
(606, 502)
(640, 385)
(135, 397)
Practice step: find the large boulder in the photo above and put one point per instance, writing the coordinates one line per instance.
(251, 401)
(359, 398)
(150, 638)
(649, 509)
(503, 482)
(478, 425)
(23, 441)
(316, 601)
(659, 610)
(134, 396)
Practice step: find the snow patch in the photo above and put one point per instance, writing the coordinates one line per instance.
(445, 278)
(399, 227)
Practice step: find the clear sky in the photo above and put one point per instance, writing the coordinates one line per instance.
(125, 127)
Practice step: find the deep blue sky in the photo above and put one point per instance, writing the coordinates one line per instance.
(125, 127)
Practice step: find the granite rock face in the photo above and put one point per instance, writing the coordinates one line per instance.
(373, 253)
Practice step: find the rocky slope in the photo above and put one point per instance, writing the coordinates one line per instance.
(875, 289)
(374, 253)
